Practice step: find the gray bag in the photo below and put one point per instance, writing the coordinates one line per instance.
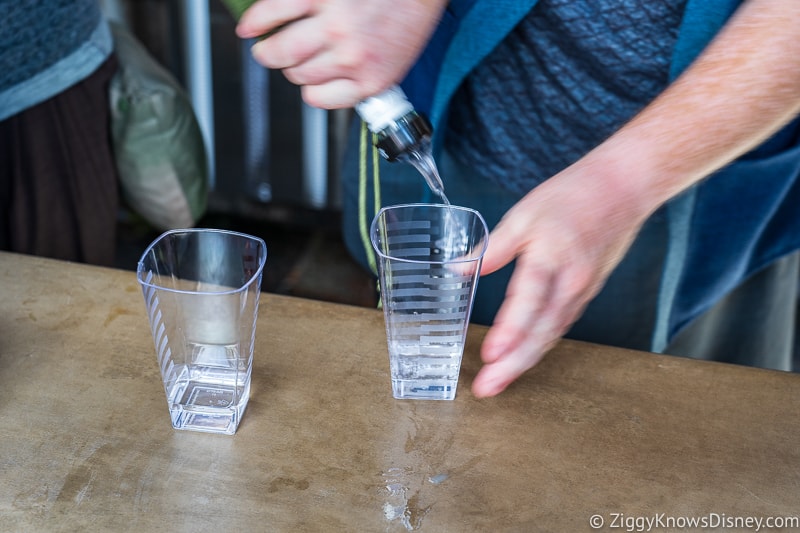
(158, 144)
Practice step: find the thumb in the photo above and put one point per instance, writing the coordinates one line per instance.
(504, 245)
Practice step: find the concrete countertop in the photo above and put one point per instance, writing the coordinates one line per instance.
(86, 442)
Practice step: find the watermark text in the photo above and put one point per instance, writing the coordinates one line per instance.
(656, 521)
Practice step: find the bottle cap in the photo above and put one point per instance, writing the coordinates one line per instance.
(384, 109)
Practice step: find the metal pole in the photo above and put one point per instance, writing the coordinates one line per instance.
(197, 57)
(315, 155)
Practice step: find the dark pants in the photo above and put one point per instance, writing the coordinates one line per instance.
(58, 180)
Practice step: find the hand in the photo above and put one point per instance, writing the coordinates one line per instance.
(340, 51)
(567, 235)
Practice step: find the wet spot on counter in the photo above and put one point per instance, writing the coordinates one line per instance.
(401, 504)
(31, 317)
(116, 312)
(69, 322)
(79, 482)
(409, 447)
(288, 483)
(438, 478)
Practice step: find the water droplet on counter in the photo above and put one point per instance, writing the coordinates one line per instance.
(438, 478)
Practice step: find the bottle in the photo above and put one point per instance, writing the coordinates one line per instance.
(392, 118)
(401, 133)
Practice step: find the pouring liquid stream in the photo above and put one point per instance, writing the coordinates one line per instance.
(454, 235)
(423, 161)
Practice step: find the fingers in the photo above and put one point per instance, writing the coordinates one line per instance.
(266, 16)
(527, 295)
(514, 343)
(339, 51)
(522, 347)
(539, 308)
(336, 94)
(327, 77)
(505, 242)
(283, 49)
(332, 80)
(494, 378)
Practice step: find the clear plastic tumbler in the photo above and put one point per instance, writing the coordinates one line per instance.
(429, 258)
(201, 288)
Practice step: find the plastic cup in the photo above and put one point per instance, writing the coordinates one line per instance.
(429, 258)
(201, 289)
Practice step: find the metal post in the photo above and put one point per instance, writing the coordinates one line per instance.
(197, 57)
(315, 156)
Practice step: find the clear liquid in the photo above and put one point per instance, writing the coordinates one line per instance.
(454, 235)
(420, 371)
(211, 394)
(422, 159)
(425, 372)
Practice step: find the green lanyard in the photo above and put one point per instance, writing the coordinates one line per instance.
(362, 195)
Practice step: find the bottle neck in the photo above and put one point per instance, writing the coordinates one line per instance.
(403, 135)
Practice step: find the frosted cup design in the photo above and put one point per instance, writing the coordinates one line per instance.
(201, 289)
(429, 258)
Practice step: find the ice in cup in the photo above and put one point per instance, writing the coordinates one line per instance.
(201, 288)
(429, 258)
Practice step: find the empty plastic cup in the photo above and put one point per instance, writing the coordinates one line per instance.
(201, 288)
(429, 258)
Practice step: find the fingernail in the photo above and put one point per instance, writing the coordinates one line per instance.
(484, 388)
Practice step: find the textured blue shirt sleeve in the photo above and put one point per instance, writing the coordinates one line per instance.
(46, 47)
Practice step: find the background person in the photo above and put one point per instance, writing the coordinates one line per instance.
(58, 180)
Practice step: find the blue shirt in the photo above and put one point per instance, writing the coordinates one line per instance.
(722, 230)
(568, 76)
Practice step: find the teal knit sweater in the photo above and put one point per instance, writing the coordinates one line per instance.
(46, 46)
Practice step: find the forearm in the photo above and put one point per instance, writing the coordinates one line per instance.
(743, 88)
